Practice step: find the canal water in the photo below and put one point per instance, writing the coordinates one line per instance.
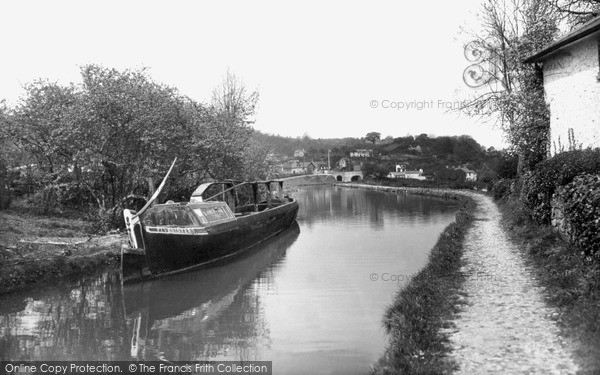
(311, 299)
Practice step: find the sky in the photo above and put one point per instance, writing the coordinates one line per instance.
(323, 69)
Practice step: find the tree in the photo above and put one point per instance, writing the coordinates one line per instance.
(466, 149)
(231, 113)
(576, 12)
(511, 92)
(373, 137)
(450, 175)
(377, 170)
(102, 141)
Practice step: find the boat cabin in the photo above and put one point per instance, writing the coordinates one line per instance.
(242, 197)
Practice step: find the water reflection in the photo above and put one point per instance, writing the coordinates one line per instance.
(371, 208)
(207, 314)
(69, 322)
(304, 299)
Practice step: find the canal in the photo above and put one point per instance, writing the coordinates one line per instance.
(311, 300)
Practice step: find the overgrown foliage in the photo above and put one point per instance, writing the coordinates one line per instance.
(450, 176)
(112, 137)
(511, 91)
(581, 200)
(501, 188)
(539, 185)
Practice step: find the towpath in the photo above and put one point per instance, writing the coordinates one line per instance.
(505, 327)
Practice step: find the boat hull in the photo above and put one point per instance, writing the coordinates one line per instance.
(170, 252)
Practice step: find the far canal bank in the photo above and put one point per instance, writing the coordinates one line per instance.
(476, 306)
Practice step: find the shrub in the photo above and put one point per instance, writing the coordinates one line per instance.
(507, 166)
(501, 188)
(446, 175)
(539, 185)
(582, 211)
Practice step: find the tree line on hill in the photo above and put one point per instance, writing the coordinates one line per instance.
(430, 153)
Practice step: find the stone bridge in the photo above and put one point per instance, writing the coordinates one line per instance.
(343, 176)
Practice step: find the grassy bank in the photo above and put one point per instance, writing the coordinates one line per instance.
(415, 320)
(36, 249)
(434, 192)
(572, 282)
(309, 179)
(425, 184)
(419, 312)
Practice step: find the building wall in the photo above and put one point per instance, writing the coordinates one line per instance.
(573, 93)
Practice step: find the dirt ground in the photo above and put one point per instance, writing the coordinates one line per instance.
(35, 248)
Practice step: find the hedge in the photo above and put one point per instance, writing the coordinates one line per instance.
(540, 185)
(502, 188)
(581, 200)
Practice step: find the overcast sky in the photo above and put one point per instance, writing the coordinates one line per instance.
(326, 69)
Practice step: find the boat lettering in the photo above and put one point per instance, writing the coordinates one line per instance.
(176, 230)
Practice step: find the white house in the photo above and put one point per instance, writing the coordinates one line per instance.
(470, 174)
(571, 70)
(299, 153)
(401, 168)
(402, 173)
(415, 175)
(361, 153)
(294, 167)
(395, 175)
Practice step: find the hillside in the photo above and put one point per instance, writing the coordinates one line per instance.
(416, 152)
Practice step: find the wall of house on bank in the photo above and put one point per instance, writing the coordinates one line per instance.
(573, 92)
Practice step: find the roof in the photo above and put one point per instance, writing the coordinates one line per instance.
(585, 30)
(228, 184)
(466, 170)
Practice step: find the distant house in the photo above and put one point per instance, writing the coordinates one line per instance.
(346, 164)
(299, 153)
(416, 148)
(294, 167)
(470, 174)
(361, 153)
(395, 175)
(415, 175)
(316, 167)
(571, 76)
(403, 173)
(311, 167)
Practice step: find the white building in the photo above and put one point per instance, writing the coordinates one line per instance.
(299, 153)
(571, 69)
(402, 173)
(361, 153)
(470, 174)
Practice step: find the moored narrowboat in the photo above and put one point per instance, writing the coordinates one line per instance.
(221, 220)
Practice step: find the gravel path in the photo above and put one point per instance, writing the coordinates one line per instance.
(505, 327)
